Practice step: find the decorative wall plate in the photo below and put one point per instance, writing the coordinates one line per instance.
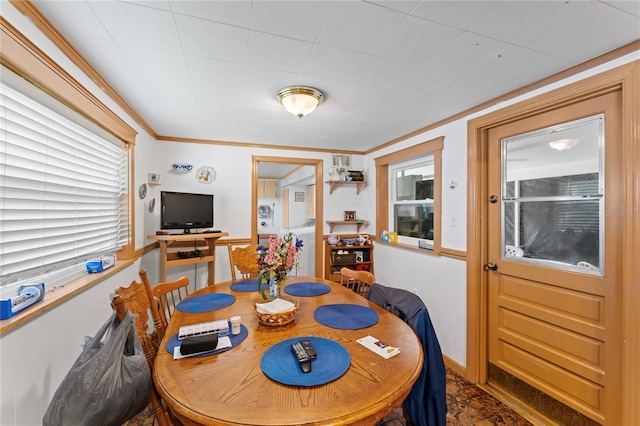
(206, 174)
(181, 168)
(152, 205)
(142, 192)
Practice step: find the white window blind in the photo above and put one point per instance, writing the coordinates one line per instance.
(62, 190)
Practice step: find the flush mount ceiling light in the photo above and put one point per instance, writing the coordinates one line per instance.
(300, 100)
(564, 144)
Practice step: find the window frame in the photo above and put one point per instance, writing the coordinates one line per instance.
(384, 165)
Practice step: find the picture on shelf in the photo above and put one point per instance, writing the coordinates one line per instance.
(349, 215)
(356, 175)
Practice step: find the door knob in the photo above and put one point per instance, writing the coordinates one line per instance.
(490, 267)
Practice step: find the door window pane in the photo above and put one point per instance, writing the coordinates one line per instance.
(553, 196)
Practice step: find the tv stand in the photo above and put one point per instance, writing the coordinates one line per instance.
(170, 259)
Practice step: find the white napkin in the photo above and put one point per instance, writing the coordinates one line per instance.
(276, 306)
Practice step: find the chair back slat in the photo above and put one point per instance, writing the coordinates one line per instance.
(357, 281)
(166, 297)
(245, 260)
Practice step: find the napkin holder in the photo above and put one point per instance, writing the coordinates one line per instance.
(276, 319)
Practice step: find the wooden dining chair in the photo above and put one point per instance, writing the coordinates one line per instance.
(358, 281)
(136, 300)
(245, 259)
(165, 297)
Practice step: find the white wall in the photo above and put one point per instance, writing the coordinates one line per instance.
(35, 356)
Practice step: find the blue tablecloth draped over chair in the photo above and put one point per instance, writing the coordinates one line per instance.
(426, 404)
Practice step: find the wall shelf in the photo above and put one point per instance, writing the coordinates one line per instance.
(333, 223)
(333, 184)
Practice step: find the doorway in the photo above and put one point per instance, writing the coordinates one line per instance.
(537, 326)
(290, 165)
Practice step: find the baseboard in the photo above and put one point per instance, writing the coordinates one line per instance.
(455, 366)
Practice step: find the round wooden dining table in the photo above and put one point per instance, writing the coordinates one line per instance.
(230, 387)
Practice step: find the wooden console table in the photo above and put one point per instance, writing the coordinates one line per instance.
(171, 259)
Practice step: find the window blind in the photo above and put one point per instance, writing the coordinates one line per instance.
(62, 190)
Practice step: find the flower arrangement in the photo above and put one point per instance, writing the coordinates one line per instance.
(277, 259)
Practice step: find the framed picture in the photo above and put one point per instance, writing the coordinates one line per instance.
(299, 196)
(356, 175)
(349, 215)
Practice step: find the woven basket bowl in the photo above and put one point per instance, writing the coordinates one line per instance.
(275, 320)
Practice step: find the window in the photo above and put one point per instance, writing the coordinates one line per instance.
(63, 192)
(412, 200)
(409, 194)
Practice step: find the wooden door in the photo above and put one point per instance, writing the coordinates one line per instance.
(554, 303)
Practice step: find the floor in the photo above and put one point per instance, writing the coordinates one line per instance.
(467, 405)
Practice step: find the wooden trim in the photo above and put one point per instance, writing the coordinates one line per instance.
(627, 79)
(444, 252)
(382, 198)
(453, 365)
(631, 244)
(255, 161)
(584, 66)
(254, 145)
(34, 14)
(423, 148)
(452, 253)
(24, 58)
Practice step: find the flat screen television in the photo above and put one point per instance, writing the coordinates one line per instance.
(185, 210)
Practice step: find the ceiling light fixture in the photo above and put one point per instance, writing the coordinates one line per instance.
(300, 100)
(564, 144)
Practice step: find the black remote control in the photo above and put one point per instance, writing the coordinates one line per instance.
(308, 347)
(303, 358)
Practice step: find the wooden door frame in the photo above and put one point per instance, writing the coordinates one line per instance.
(627, 79)
(255, 162)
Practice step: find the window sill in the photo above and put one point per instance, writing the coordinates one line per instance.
(58, 295)
(444, 252)
(409, 247)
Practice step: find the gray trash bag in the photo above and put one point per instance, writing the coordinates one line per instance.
(108, 384)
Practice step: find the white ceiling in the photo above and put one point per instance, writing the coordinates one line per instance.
(211, 69)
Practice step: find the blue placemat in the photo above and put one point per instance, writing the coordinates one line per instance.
(205, 303)
(235, 341)
(246, 286)
(307, 289)
(280, 364)
(346, 316)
